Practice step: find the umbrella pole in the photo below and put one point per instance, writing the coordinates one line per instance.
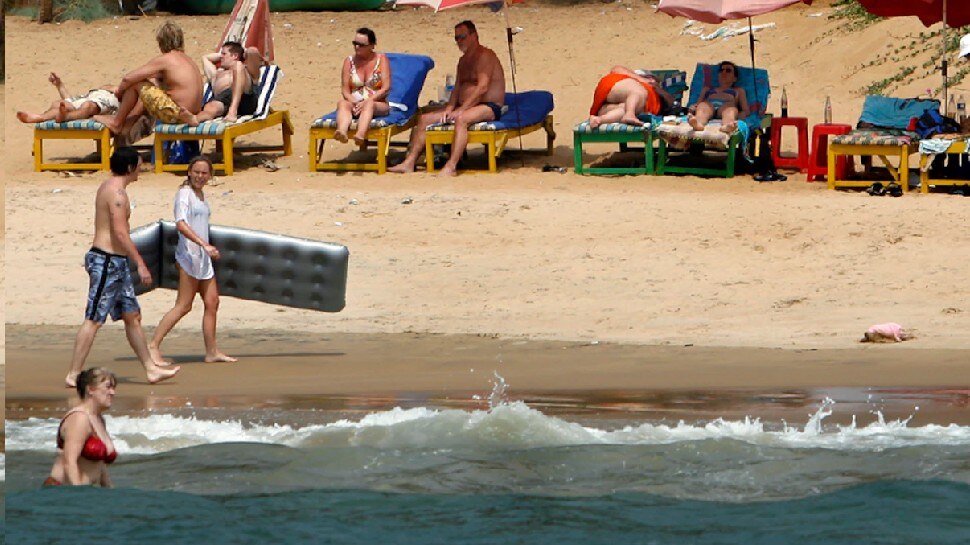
(943, 56)
(754, 78)
(515, 90)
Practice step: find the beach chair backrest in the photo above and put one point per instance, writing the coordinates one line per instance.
(754, 82)
(269, 76)
(894, 113)
(408, 73)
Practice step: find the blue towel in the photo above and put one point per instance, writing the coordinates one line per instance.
(894, 113)
(526, 108)
(754, 82)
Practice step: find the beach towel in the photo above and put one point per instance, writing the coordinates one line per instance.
(893, 113)
(524, 109)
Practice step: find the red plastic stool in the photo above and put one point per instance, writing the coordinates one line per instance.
(818, 165)
(799, 161)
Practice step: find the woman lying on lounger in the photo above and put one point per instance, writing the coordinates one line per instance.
(622, 94)
(725, 102)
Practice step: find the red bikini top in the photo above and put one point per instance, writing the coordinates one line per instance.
(94, 448)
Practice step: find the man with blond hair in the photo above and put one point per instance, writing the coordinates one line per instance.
(159, 87)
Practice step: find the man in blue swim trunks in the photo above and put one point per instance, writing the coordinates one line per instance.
(479, 95)
(110, 288)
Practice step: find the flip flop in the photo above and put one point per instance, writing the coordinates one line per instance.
(894, 190)
(876, 190)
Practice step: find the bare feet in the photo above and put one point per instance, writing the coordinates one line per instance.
(403, 168)
(729, 127)
(692, 121)
(109, 121)
(631, 121)
(187, 117)
(447, 171)
(594, 121)
(71, 380)
(157, 375)
(340, 136)
(230, 118)
(360, 140)
(25, 117)
(219, 356)
(61, 114)
(157, 356)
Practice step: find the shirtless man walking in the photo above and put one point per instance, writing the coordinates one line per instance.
(479, 95)
(233, 81)
(162, 85)
(110, 289)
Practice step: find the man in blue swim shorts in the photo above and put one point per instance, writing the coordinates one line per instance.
(110, 290)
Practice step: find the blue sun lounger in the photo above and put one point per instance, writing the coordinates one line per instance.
(408, 73)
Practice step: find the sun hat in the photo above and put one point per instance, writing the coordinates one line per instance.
(965, 46)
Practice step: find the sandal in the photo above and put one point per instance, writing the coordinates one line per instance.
(876, 190)
(894, 190)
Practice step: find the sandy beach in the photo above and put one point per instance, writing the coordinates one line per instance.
(628, 262)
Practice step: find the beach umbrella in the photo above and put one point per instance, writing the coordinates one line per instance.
(954, 13)
(249, 25)
(716, 11)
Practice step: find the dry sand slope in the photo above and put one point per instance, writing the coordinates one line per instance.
(641, 260)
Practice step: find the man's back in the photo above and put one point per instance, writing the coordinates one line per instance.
(181, 79)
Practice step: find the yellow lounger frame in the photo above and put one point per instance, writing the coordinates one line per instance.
(495, 141)
(101, 137)
(882, 151)
(381, 135)
(227, 139)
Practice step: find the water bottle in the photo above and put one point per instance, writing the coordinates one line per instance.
(951, 106)
(828, 110)
(961, 109)
(449, 86)
(784, 102)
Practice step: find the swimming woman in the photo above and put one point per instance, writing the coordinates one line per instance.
(193, 256)
(725, 102)
(365, 82)
(84, 448)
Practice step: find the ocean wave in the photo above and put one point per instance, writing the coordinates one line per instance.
(509, 425)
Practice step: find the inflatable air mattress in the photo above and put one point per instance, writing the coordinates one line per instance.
(254, 265)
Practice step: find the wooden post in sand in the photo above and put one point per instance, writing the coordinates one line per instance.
(45, 13)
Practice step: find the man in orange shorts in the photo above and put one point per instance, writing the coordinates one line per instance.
(623, 94)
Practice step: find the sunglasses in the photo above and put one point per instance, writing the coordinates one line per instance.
(460, 37)
(358, 44)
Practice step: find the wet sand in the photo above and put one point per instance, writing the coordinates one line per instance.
(357, 373)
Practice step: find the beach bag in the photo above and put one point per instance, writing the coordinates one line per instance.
(180, 152)
(932, 122)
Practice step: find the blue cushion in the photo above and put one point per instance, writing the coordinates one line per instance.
(524, 109)
(754, 82)
(79, 124)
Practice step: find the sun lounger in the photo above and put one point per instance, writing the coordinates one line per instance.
(883, 133)
(408, 73)
(674, 82)
(226, 133)
(527, 112)
(679, 142)
(82, 129)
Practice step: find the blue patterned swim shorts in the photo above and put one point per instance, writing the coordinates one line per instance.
(110, 290)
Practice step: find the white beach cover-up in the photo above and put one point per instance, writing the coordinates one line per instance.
(189, 255)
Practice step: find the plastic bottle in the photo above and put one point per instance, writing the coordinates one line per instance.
(828, 110)
(961, 109)
(951, 106)
(784, 102)
(449, 86)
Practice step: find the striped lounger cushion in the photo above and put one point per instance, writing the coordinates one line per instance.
(877, 137)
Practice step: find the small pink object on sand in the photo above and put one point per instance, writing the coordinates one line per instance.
(885, 331)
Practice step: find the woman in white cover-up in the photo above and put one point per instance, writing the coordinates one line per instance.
(193, 256)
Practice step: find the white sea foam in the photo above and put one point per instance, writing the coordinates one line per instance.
(508, 425)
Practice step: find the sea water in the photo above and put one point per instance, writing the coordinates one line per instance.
(508, 473)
